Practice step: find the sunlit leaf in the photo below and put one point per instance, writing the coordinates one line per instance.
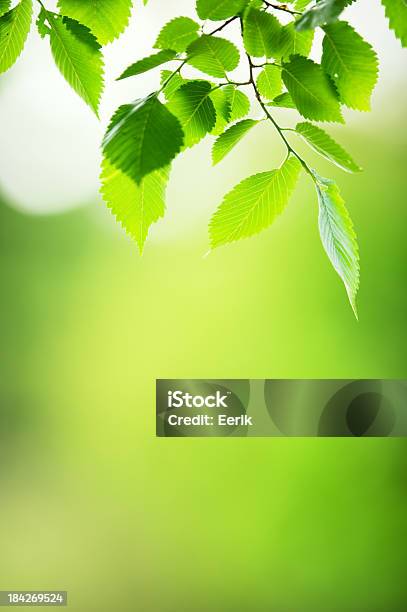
(229, 139)
(254, 204)
(148, 63)
(142, 137)
(269, 82)
(326, 146)
(351, 63)
(261, 34)
(213, 55)
(311, 90)
(338, 236)
(217, 10)
(177, 34)
(107, 19)
(192, 104)
(239, 102)
(135, 206)
(14, 28)
(78, 56)
(396, 13)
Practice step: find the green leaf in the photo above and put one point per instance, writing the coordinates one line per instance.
(148, 63)
(142, 137)
(220, 99)
(213, 55)
(42, 24)
(294, 42)
(78, 56)
(171, 84)
(229, 139)
(254, 204)
(269, 82)
(177, 34)
(217, 10)
(261, 34)
(338, 236)
(351, 63)
(239, 102)
(300, 5)
(284, 100)
(223, 110)
(256, 4)
(396, 13)
(107, 19)
(325, 11)
(311, 90)
(4, 6)
(14, 28)
(326, 146)
(136, 207)
(192, 104)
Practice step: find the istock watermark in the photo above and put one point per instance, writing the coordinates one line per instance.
(178, 399)
(275, 408)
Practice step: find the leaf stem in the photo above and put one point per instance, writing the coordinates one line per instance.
(242, 84)
(43, 8)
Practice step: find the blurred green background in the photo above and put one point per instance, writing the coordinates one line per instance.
(92, 502)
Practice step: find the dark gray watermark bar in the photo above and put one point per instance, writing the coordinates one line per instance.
(281, 407)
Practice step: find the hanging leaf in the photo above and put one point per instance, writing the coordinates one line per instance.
(148, 63)
(177, 34)
(311, 90)
(338, 236)
(396, 13)
(261, 34)
(229, 139)
(107, 19)
(135, 206)
(351, 63)
(14, 28)
(213, 55)
(295, 42)
(192, 105)
(223, 109)
(254, 204)
(77, 54)
(284, 100)
(326, 146)
(239, 102)
(269, 83)
(142, 137)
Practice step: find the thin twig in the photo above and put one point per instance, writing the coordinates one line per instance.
(172, 75)
(281, 7)
(270, 117)
(226, 23)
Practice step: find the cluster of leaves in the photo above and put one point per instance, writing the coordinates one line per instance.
(144, 137)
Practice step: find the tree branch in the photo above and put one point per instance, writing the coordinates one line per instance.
(281, 7)
(270, 116)
(226, 23)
